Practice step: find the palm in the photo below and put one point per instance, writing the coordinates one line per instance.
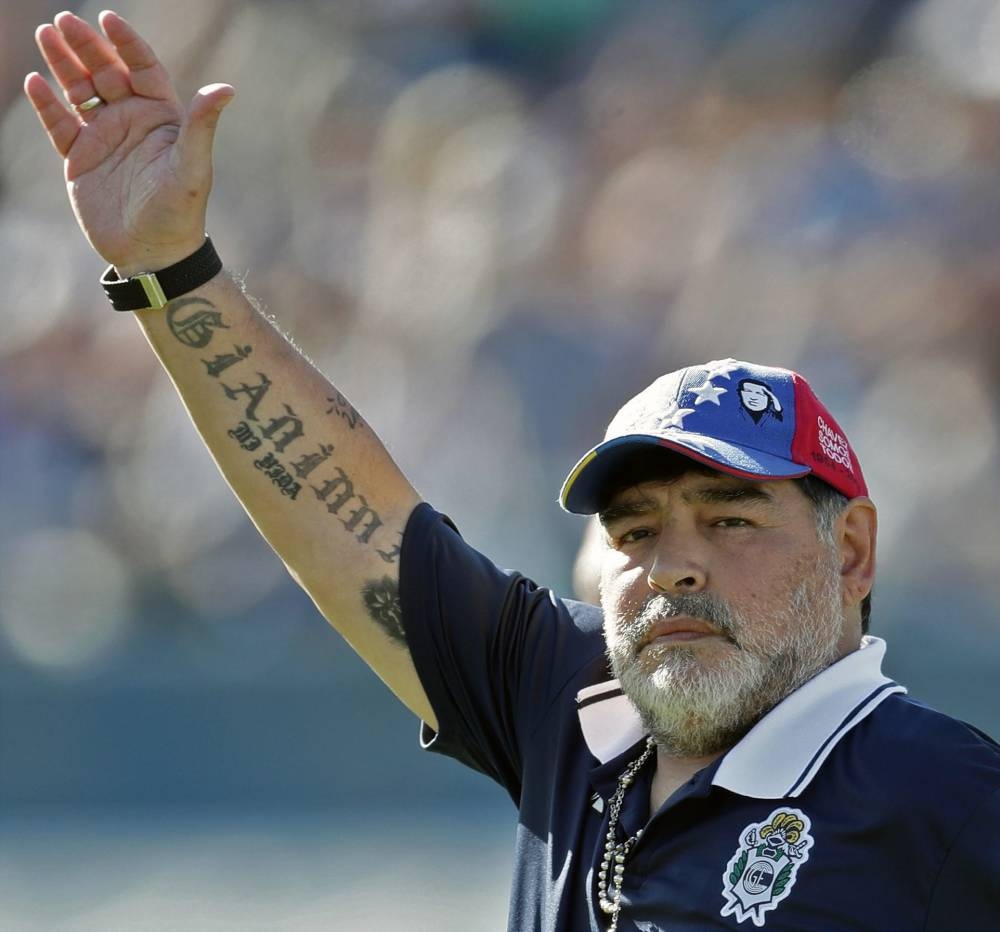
(122, 177)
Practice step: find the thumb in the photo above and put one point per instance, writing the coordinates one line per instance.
(194, 143)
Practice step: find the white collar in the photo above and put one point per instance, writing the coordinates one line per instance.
(781, 754)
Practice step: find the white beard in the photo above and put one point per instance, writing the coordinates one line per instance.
(694, 710)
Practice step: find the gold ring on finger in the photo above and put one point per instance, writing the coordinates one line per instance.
(90, 103)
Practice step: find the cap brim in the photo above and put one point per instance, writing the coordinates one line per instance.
(584, 489)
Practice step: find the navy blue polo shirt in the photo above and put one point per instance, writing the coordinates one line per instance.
(848, 806)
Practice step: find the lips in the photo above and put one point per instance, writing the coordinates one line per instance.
(679, 628)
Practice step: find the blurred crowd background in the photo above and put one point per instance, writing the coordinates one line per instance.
(490, 221)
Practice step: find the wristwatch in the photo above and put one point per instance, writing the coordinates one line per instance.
(152, 290)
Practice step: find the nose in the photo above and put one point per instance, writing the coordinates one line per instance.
(676, 568)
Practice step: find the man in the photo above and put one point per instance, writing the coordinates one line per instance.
(743, 761)
(758, 400)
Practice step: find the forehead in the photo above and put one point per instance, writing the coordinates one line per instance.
(653, 464)
(695, 488)
(648, 477)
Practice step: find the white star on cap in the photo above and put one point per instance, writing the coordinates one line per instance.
(720, 369)
(673, 417)
(708, 392)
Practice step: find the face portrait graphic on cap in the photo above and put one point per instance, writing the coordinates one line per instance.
(759, 401)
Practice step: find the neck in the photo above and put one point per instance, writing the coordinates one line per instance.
(673, 772)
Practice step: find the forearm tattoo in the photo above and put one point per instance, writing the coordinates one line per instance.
(340, 406)
(193, 321)
(268, 426)
(381, 598)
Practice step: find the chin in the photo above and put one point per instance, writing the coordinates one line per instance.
(694, 701)
(667, 665)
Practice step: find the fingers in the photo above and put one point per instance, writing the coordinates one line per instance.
(197, 134)
(66, 68)
(61, 123)
(96, 56)
(147, 76)
(114, 66)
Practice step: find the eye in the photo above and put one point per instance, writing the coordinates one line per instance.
(634, 535)
(731, 522)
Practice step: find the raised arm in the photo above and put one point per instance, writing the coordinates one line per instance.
(311, 473)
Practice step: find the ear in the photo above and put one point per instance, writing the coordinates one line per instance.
(856, 530)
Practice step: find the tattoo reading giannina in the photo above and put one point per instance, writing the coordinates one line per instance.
(381, 598)
(195, 322)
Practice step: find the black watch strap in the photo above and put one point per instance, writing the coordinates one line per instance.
(155, 289)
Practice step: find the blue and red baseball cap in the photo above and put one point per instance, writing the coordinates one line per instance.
(756, 422)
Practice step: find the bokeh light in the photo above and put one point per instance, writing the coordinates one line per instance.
(64, 598)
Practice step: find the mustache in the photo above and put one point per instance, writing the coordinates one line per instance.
(701, 605)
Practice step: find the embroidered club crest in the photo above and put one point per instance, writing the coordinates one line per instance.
(762, 871)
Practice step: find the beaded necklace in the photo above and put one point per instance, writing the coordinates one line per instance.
(609, 880)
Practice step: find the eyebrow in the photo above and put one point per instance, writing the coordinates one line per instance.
(623, 510)
(707, 495)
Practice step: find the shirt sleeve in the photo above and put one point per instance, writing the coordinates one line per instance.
(494, 652)
(966, 895)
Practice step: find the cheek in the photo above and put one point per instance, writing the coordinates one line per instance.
(621, 587)
(764, 593)
(623, 596)
(609, 579)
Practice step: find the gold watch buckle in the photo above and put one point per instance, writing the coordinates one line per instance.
(154, 292)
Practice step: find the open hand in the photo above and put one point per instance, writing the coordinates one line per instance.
(138, 166)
